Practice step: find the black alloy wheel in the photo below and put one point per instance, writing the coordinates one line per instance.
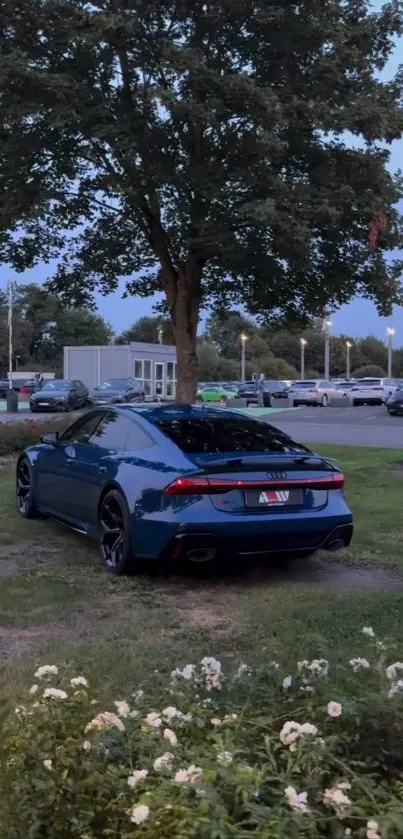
(114, 533)
(24, 490)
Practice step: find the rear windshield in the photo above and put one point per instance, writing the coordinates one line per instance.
(304, 384)
(213, 436)
(368, 382)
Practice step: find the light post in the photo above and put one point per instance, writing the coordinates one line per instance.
(160, 334)
(327, 326)
(244, 339)
(390, 333)
(348, 348)
(303, 342)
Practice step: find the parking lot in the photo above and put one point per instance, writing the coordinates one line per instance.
(340, 424)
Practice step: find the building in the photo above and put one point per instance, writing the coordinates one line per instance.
(154, 365)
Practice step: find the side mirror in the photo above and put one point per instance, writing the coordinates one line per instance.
(51, 438)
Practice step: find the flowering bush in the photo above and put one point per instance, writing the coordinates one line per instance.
(205, 763)
(15, 436)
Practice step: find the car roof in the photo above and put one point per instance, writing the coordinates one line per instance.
(155, 412)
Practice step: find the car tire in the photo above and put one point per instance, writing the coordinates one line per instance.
(24, 490)
(392, 413)
(114, 526)
(324, 401)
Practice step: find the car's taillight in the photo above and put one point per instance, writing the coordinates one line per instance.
(203, 485)
(377, 388)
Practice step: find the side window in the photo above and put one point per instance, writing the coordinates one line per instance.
(82, 430)
(137, 439)
(112, 432)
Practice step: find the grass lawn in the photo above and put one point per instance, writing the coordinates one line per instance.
(57, 603)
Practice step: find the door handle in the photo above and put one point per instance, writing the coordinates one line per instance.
(102, 470)
(69, 461)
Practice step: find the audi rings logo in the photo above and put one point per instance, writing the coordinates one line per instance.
(277, 476)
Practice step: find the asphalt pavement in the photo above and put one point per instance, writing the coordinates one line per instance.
(361, 426)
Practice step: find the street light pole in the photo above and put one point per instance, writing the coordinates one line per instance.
(303, 343)
(10, 333)
(348, 348)
(327, 326)
(390, 333)
(244, 339)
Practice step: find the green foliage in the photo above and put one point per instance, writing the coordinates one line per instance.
(15, 436)
(267, 754)
(368, 370)
(147, 329)
(201, 150)
(42, 326)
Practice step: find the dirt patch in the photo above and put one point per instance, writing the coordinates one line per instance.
(329, 575)
(204, 617)
(21, 556)
(396, 469)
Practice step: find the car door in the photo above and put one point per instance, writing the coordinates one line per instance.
(53, 474)
(92, 465)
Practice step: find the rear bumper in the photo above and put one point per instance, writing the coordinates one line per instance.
(367, 400)
(227, 545)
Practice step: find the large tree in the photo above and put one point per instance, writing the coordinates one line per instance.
(201, 146)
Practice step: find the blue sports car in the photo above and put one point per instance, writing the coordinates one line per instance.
(213, 481)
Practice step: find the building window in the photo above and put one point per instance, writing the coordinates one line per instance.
(171, 378)
(159, 379)
(142, 374)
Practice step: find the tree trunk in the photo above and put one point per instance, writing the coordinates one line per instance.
(183, 296)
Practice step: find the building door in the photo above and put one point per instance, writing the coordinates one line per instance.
(142, 374)
(159, 383)
(171, 379)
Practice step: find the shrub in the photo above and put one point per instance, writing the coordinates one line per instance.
(15, 436)
(313, 762)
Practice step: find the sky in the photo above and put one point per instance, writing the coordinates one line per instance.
(357, 319)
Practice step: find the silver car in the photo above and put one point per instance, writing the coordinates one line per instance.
(372, 391)
(313, 392)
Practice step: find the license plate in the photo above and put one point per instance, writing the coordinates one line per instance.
(274, 498)
(43, 404)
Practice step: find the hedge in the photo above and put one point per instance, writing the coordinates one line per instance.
(15, 436)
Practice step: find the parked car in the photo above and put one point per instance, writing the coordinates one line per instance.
(213, 480)
(214, 393)
(60, 395)
(312, 392)
(30, 386)
(247, 390)
(17, 385)
(394, 402)
(117, 390)
(372, 391)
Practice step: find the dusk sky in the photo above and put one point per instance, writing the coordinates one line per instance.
(356, 319)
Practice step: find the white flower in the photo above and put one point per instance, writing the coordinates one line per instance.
(153, 720)
(171, 737)
(104, 721)
(139, 814)
(394, 671)
(138, 694)
(211, 663)
(243, 670)
(334, 709)
(292, 731)
(359, 664)
(87, 745)
(211, 668)
(287, 682)
(216, 722)
(122, 708)
(48, 764)
(33, 689)
(163, 763)
(307, 689)
(137, 777)
(274, 664)
(368, 631)
(79, 681)
(190, 775)
(347, 832)
(397, 687)
(337, 799)
(296, 800)
(373, 830)
(344, 785)
(54, 693)
(187, 673)
(317, 668)
(46, 670)
(224, 758)
(171, 712)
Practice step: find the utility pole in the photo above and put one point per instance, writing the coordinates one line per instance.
(390, 333)
(244, 339)
(348, 348)
(303, 343)
(327, 326)
(10, 333)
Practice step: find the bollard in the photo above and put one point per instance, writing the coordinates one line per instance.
(12, 401)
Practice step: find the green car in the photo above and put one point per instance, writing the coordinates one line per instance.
(214, 394)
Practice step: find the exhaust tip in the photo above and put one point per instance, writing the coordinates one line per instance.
(335, 545)
(201, 554)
